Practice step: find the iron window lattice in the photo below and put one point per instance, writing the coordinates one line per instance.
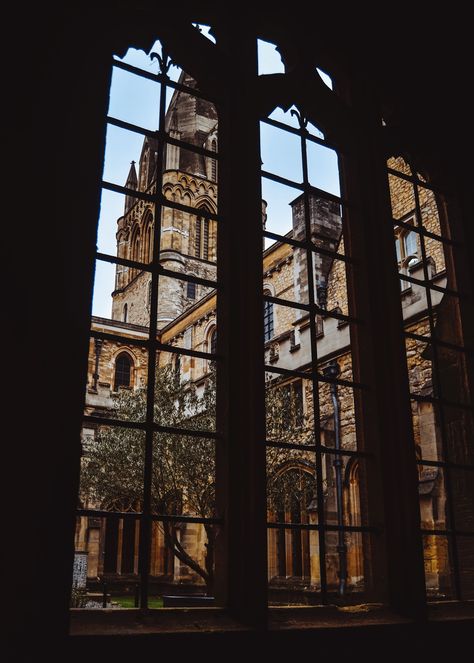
(316, 306)
(147, 517)
(416, 228)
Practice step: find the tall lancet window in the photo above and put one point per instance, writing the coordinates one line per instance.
(201, 238)
(267, 319)
(197, 238)
(214, 161)
(123, 371)
(205, 240)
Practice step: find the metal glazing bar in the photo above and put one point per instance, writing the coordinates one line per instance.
(164, 347)
(119, 338)
(421, 230)
(163, 517)
(152, 268)
(299, 132)
(162, 137)
(324, 528)
(125, 262)
(284, 239)
(144, 555)
(100, 513)
(108, 421)
(176, 349)
(311, 308)
(435, 341)
(314, 381)
(187, 277)
(151, 197)
(313, 375)
(305, 187)
(160, 78)
(414, 179)
(429, 285)
(322, 447)
(195, 211)
(438, 390)
(187, 432)
(118, 188)
(156, 428)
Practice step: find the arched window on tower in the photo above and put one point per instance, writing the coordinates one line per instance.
(214, 161)
(213, 341)
(267, 318)
(135, 249)
(197, 238)
(201, 238)
(125, 312)
(205, 240)
(148, 240)
(123, 371)
(212, 347)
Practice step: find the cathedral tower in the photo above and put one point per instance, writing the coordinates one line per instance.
(188, 241)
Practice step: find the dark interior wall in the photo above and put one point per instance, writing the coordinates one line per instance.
(56, 82)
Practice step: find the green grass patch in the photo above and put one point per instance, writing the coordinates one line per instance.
(128, 601)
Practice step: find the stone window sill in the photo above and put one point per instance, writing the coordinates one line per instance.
(112, 622)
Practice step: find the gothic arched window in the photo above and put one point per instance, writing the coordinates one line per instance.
(135, 248)
(213, 341)
(205, 240)
(197, 237)
(291, 497)
(148, 240)
(123, 371)
(201, 238)
(267, 318)
(307, 246)
(214, 161)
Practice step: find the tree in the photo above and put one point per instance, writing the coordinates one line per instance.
(183, 475)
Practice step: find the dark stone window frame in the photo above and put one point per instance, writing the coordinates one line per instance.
(401, 598)
(123, 374)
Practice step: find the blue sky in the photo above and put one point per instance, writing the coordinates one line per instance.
(136, 100)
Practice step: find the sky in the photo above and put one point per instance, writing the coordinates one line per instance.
(136, 100)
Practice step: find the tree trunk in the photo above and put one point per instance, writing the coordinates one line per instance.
(172, 543)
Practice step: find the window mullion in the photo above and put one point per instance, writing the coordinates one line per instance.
(241, 460)
(385, 413)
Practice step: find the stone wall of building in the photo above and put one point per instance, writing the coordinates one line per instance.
(189, 323)
(403, 201)
(337, 284)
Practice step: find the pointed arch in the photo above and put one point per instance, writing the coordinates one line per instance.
(214, 161)
(148, 237)
(123, 373)
(204, 234)
(268, 317)
(292, 494)
(135, 247)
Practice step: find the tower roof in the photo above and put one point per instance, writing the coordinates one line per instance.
(132, 179)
